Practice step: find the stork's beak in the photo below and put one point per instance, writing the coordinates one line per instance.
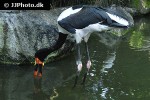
(38, 67)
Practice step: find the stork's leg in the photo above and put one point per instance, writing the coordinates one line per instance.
(88, 65)
(78, 62)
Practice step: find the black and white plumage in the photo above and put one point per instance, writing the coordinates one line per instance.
(83, 20)
(80, 22)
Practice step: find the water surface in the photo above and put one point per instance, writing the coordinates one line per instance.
(120, 71)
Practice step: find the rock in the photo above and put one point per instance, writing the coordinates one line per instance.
(22, 33)
(144, 6)
(140, 6)
(135, 7)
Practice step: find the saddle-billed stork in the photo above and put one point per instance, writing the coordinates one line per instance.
(80, 21)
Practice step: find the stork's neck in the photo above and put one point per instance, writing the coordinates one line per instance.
(44, 52)
(61, 40)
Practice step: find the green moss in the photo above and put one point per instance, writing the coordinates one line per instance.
(9, 61)
(5, 30)
(147, 3)
(1, 36)
(136, 40)
(1, 26)
(135, 3)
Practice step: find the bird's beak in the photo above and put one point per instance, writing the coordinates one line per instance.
(38, 67)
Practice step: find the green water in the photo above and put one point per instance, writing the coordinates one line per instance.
(120, 71)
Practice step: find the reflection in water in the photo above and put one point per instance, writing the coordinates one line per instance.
(44, 87)
(38, 92)
(37, 89)
(139, 37)
(104, 92)
(125, 80)
(111, 42)
(55, 95)
(100, 87)
(109, 62)
(37, 85)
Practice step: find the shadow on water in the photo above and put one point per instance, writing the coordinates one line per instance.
(120, 71)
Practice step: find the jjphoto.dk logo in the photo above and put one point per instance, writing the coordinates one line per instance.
(6, 5)
(22, 5)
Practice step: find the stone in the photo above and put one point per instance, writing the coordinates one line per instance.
(22, 33)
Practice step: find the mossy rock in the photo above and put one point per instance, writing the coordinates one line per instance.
(142, 6)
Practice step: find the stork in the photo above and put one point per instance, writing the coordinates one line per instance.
(80, 21)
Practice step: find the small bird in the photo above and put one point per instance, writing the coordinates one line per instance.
(80, 21)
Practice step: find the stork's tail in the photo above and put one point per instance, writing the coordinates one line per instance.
(121, 12)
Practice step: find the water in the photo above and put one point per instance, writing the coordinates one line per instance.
(120, 71)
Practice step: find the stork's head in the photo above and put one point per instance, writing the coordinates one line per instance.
(40, 56)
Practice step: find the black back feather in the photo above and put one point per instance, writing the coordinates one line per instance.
(91, 15)
(83, 18)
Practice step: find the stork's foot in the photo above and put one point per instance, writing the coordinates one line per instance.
(75, 83)
(78, 73)
(84, 78)
(88, 65)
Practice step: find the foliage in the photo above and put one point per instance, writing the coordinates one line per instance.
(136, 40)
(1, 26)
(135, 3)
(147, 3)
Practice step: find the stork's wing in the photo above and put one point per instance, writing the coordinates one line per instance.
(83, 18)
(86, 17)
